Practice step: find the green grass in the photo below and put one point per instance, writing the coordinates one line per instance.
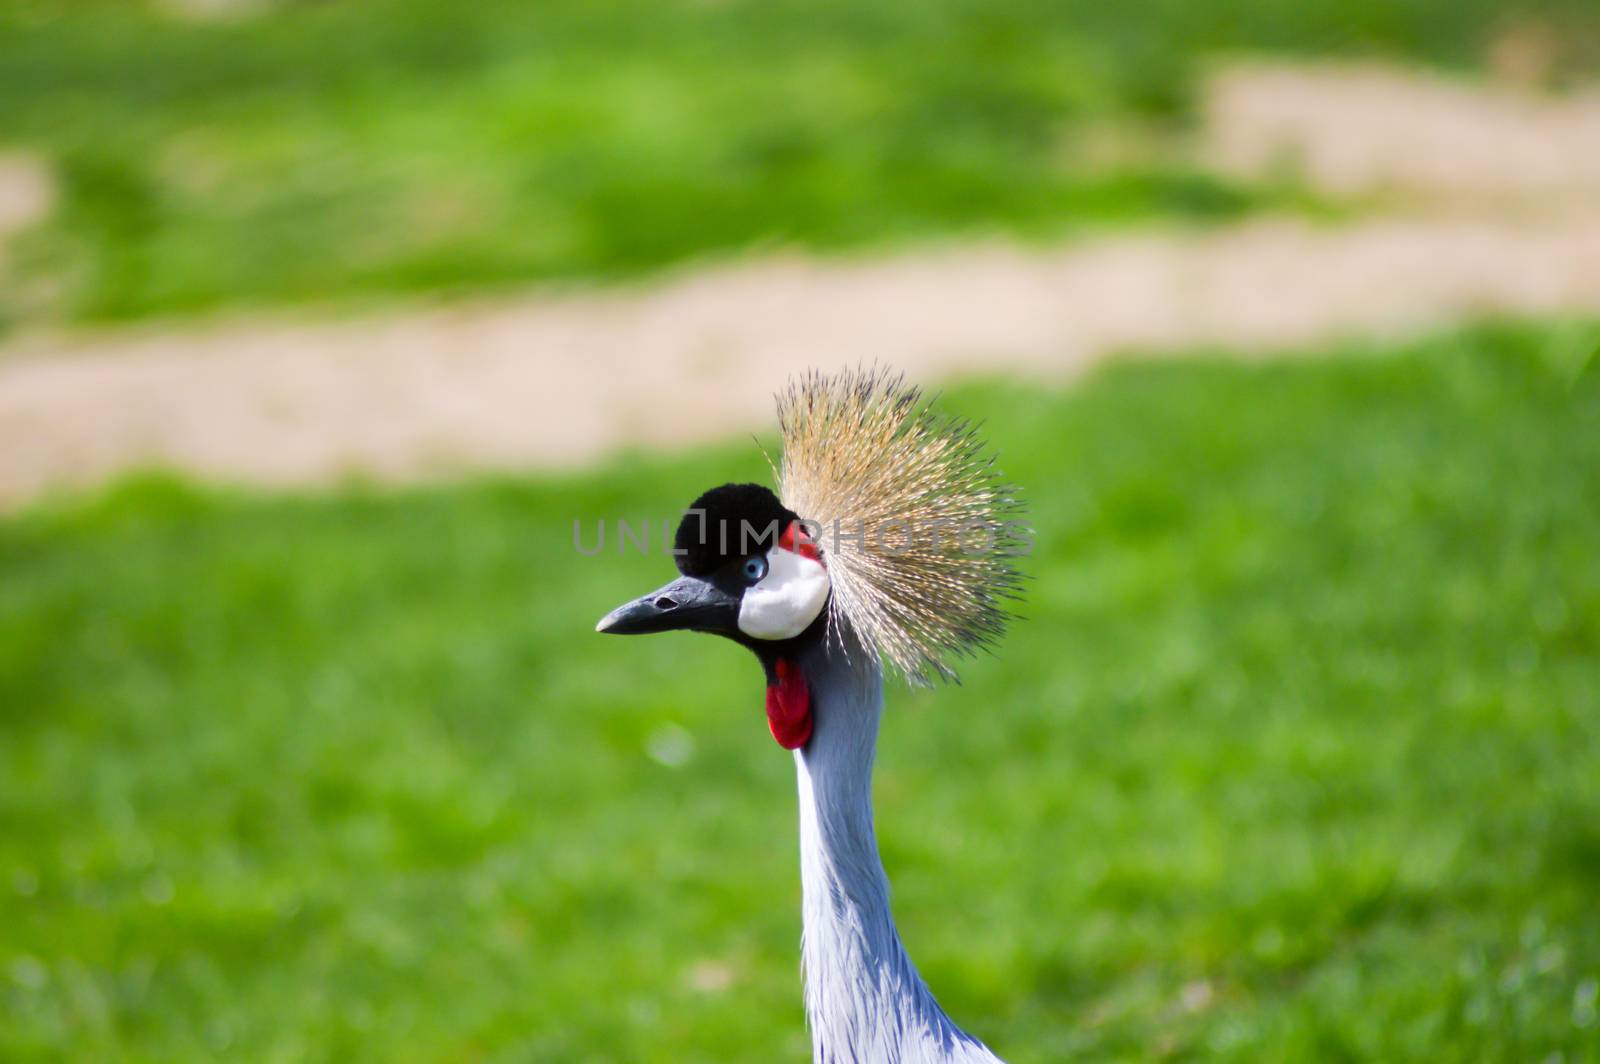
(343, 150)
(1303, 718)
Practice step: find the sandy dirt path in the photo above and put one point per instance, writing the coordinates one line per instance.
(554, 380)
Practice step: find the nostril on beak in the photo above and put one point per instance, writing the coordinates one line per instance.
(666, 602)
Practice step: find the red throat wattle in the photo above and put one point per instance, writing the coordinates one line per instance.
(789, 706)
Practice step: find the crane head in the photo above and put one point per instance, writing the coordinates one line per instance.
(749, 571)
(922, 537)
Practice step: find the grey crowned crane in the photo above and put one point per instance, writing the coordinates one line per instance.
(892, 540)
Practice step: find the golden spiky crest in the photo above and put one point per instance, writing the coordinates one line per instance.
(919, 530)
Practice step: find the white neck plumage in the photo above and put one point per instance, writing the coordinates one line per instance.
(864, 999)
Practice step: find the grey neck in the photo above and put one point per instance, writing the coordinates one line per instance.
(864, 998)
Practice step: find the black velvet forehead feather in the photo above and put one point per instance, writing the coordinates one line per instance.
(728, 522)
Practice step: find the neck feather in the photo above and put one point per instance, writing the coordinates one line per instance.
(864, 998)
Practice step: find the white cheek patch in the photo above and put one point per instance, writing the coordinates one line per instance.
(785, 602)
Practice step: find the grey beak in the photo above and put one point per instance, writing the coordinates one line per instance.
(687, 603)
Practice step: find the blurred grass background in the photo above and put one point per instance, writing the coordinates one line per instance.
(1295, 757)
(328, 151)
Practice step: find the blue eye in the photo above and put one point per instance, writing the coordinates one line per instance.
(754, 569)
